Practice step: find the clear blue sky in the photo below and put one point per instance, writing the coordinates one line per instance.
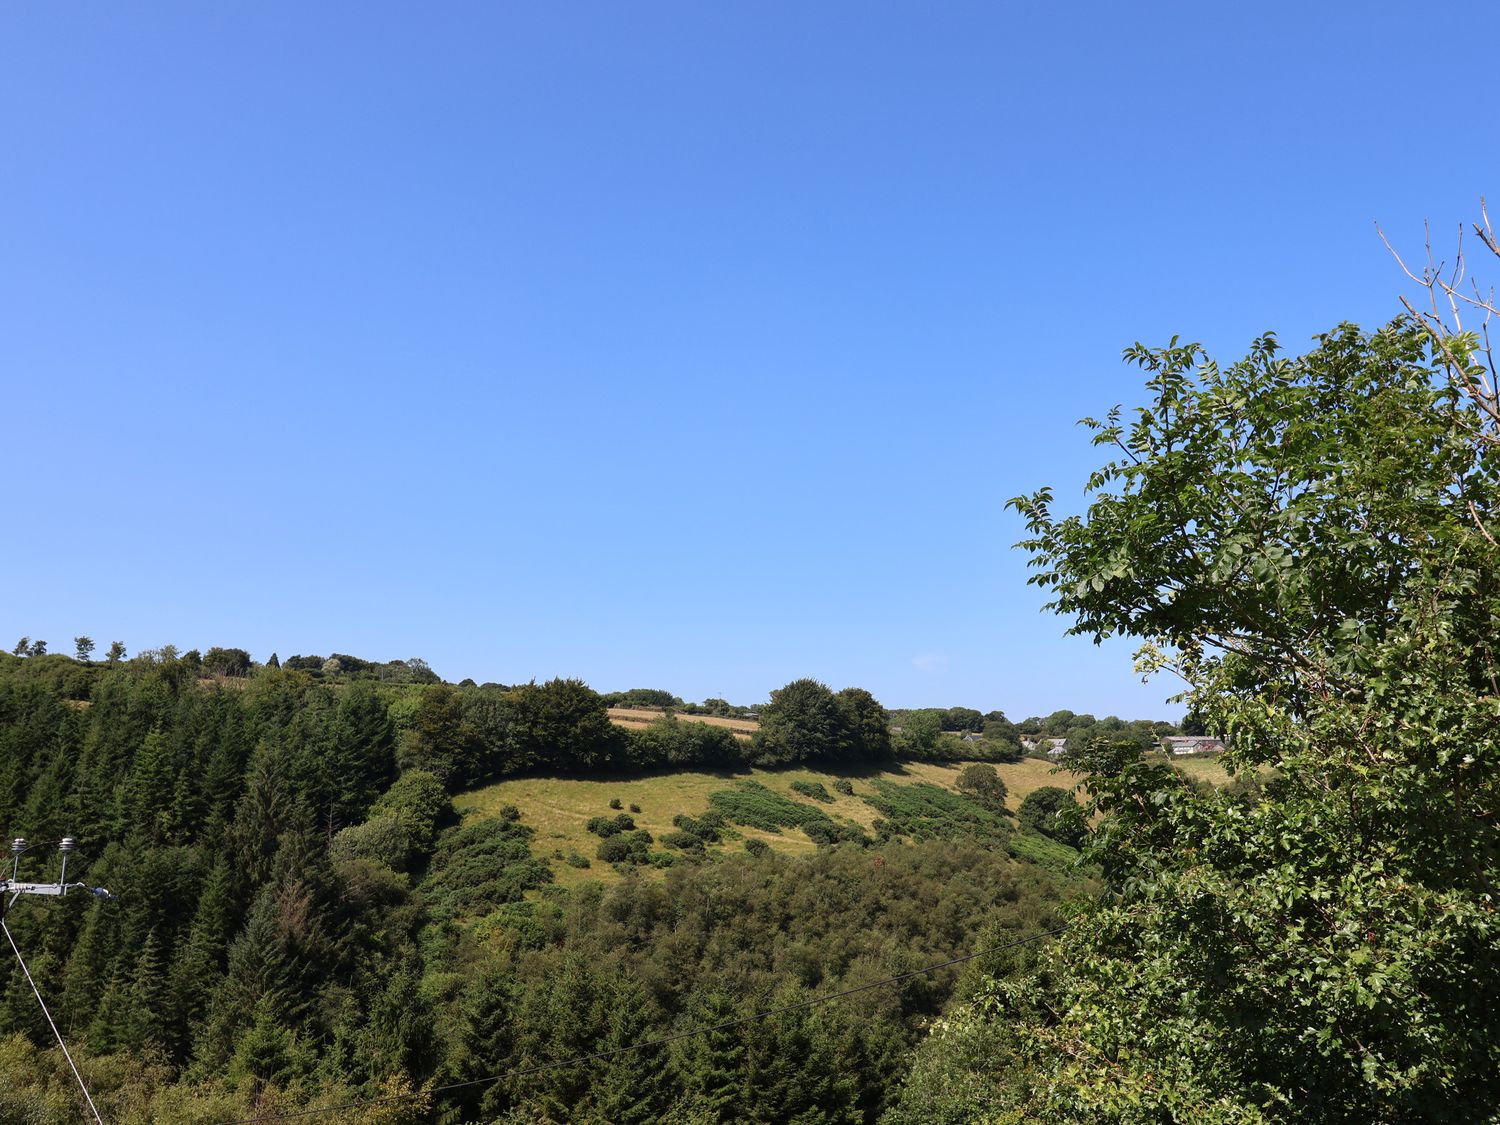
(688, 345)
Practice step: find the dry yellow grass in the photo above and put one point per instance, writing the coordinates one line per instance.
(1205, 767)
(638, 717)
(558, 808)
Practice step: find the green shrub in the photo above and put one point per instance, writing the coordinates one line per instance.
(635, 808)
(757, 847)
(614, 803)
(705, 828)
(481, 866)
(576, 860)
(627, 847)
(418, 801)
(613, 850)
(610, 825)
(813, 789)
(827, 832)
(384, 839)
(927, 812)
(685, 841)
(751, 803)
(844, 786)
(1041, 849)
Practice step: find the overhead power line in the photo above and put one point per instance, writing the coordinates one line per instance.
(51, 1024)
(594, 1056)
(14, 888)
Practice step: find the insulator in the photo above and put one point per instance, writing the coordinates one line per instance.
(17, 846)
(66, 844)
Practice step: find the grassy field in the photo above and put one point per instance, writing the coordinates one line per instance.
(1199, 767)
(559, 807)
(638, 717)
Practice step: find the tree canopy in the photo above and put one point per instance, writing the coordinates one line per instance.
(1308, 541)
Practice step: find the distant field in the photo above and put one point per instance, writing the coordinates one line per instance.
(644, 716)
(1200, 767)
(559, 807)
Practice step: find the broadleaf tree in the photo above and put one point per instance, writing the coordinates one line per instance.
(1308, 542)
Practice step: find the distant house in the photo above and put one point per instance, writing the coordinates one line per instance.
(970, 736)
(1191, 744)
(1053, 746)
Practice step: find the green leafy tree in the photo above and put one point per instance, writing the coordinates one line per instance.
(963, 719)
(1309, 542)
(82, 648)
(419, 804)
(1053, 812)
(867, 730)
(439, 741)
(803, 720)
(919, 733)
(984, 784)
(226, 662)
(116, 652)
(562, 724)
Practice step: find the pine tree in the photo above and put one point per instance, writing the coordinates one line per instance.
(711, 1065)
(148, 1000)
(266, 1052)
(145, 803)
(87, 972)
(263, 814)
(399, 1034)
(633, 1087)
(200, 963)
(363, 755)
(558, 1020)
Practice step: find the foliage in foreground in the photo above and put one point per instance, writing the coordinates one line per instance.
(1308, 541)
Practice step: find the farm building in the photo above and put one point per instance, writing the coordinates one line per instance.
(1191, 744)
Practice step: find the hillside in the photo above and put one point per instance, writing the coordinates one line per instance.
(558, 808)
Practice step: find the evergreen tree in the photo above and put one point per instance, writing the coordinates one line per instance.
(711, 1065)
(362, 759)
(148, 1001)
(633, 1087)
(398, 1037)
(198, 970)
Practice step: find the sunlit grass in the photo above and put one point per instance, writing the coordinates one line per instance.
(559, 807)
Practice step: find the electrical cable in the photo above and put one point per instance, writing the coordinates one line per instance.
(45, 1012)
(579, 1060)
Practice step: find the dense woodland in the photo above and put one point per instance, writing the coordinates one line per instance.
(299, 918)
